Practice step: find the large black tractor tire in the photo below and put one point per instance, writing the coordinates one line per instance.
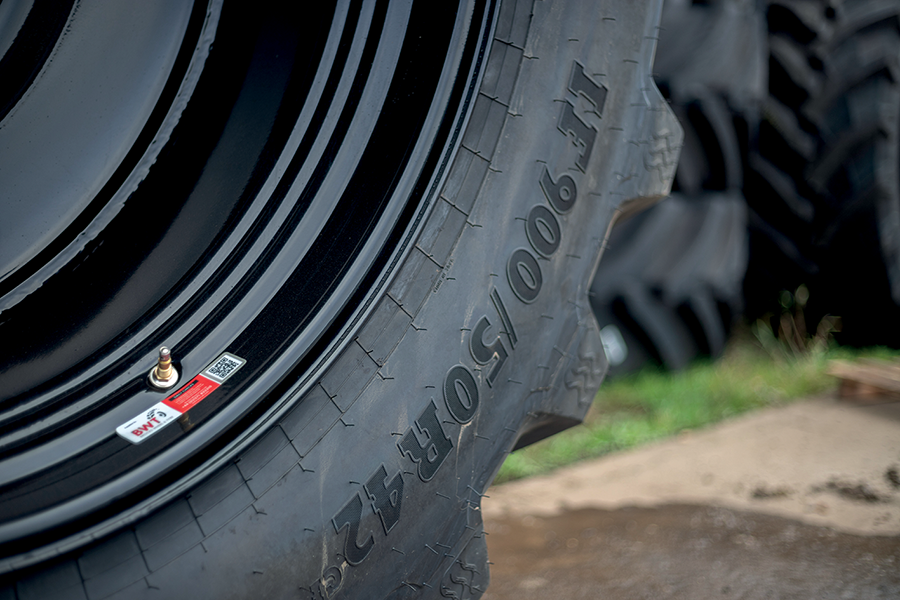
(369, 378)
(824, 190)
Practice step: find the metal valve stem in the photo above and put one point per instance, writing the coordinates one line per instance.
(163, 375)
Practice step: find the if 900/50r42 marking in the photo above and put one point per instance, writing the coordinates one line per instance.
(426, 443)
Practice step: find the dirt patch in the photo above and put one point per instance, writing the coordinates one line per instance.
(764, 493)
(859, 492)
(822, 461)
(684, 552)
(893, 477)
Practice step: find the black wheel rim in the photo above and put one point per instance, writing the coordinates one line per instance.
(275, 176)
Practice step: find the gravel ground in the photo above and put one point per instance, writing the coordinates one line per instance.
(801, 501)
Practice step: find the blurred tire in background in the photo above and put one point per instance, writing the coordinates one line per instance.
(788, 180)
(670, 284)
(822, 189)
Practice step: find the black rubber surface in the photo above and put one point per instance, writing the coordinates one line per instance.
(824, 192)
(670, 284)
(361, 474)
(233, 222)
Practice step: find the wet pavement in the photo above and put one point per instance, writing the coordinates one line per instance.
(799, 502)
(690, 552)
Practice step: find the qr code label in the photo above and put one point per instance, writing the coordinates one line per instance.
(224, 367)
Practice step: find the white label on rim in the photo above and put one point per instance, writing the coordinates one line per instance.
(147, 423)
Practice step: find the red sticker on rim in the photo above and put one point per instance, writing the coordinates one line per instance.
(191, 394)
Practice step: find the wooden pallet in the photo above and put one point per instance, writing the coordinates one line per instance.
(867, 380)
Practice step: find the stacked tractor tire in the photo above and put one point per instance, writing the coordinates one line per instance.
(823, 195)
(788, 178)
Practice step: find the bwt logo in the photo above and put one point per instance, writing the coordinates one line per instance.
(152, 419)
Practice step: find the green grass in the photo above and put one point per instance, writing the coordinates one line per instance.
(653, 404)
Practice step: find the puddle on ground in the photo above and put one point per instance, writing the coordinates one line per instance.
(685, 552)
